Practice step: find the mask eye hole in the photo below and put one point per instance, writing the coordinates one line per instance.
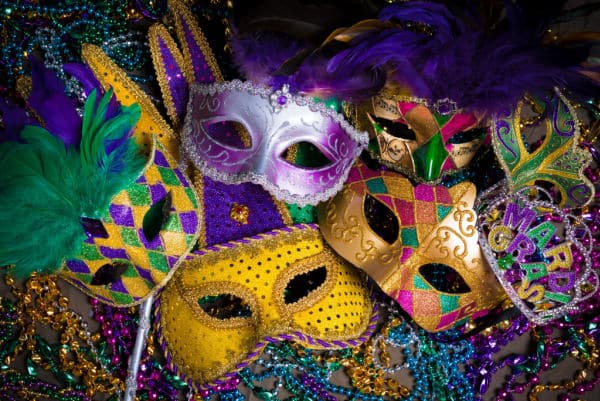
(110, 273)
(381, 219)
(468, 136)
(303, 284)
(305, 154)
(444, 278)
(156, 217)
(231, 134)
(93, 227)
(395, 129)
(225, 306)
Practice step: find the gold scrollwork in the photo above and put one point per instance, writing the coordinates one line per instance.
(465, 215)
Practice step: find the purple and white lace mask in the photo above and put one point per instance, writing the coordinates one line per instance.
(271, 123)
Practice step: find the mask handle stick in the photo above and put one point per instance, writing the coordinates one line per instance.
(136, 355)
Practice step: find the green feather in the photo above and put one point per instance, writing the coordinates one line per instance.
(45, 188)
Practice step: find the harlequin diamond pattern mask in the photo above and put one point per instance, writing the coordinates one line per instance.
(119, 264)
(418, 139)
(418, 243)
(270, 123)
(227, 302)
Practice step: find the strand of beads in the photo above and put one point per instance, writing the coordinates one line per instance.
(59, 30)
(119, 328)
(573, 337)
(75, 361)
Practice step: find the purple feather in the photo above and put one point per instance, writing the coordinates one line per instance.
(13, 118)
(434, 54)
(477, 70)
(49, 101)
(261, 54)
(84, 74)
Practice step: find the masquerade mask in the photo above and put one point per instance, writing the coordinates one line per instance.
(423, 141)
(89, 204)
(227, 302)
(418, 243)
(539, 251)
(273, 122)
(132, 250)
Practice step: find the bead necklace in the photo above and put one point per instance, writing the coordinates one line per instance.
(58, 31)
(76, 361)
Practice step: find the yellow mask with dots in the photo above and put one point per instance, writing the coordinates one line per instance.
(229, 301)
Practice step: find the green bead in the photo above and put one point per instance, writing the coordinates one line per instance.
(65, 377)
(31, 368)
(262, 393)
(430, 157)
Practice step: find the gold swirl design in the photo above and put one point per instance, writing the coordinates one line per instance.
(465, 215)
(443, 236)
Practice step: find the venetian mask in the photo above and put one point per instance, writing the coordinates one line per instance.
(270, 123)
(228, 301)
(421, 140)
(419, 243)
(150, 226)
(540, 251)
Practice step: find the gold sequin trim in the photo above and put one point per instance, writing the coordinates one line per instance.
(151, 123)
(182, 13)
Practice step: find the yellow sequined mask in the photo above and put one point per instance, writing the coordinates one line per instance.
(419, 243)
(227, 302)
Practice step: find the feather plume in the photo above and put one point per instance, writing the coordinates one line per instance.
(481, 61)
(438, 55)
(50, 103)
(46, 187)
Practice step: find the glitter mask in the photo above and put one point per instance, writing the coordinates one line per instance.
(419, 243)
(420, 140)
(118, 264)
(272, 123)
(229, 301)
(540, 252)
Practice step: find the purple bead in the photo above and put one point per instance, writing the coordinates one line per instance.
(282, 100)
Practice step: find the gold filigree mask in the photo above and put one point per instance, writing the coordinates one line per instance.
(227, 302)
(419, 243)
(424, 141)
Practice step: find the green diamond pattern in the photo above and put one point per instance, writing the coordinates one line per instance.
(420, 284)
(121, 298)
(90, 252)
(376, 186)
(139, 195)
(409, 237)
(168, 176)
(442, 211)
(191, 196)
(158, 261)
(173, 224)
(449, 303)
(130, 237)
(130, 272)
(84, 278)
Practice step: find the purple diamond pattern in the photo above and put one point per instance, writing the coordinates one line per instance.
(112, 253)
(121, 215)
(77, 266)
(157, 191)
